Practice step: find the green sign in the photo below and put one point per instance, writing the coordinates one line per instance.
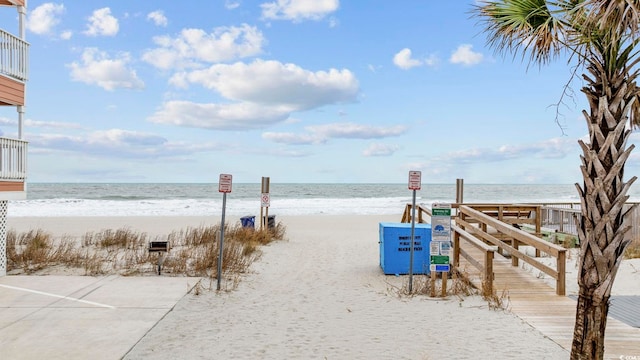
(439, 259)
(440, 212)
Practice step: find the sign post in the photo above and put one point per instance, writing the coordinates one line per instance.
(440, 249)
(224, 186)
(415, 182)
(265, 200)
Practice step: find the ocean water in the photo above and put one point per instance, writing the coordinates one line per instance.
(81, 199)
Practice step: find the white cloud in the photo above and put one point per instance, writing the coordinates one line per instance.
(262, 93)
(404, 61)
(465, 56)
(293, 139)
(117, 143)
(194, 46)
(7, 121)
(158, 18)
(66, 35)
(320, 134)
(275, 84)
(356, 131)
(298, 10)
(109, 73)
(230, 4)
(51, 124)
(217, 116)
(102, 23)
(44, 18)
(549, 149)
(378, 149)
(432, 60)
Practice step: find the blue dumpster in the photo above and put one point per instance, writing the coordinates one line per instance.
(248, 221)
(395, 248)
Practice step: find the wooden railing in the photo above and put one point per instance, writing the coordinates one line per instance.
(561, 217)
(420, 212)
(488, 254)
(485, 267)
(13, 159)
(483, 230)
(469, 217)
(14, 56)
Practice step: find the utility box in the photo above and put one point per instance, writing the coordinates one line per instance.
(395, 248)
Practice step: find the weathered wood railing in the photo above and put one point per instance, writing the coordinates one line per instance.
(459, 234)
(420, 212)
(561, 219)
(468, 219)
(488, 254)
(13, 159)
(514, 214)
(14, 56)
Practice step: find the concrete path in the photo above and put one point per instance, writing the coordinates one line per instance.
(82, 317)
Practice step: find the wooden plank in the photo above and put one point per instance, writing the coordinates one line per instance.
(11, 91)
(11, 186)
(536, 303)
(510, 231)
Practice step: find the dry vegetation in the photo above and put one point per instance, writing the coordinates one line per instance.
(193, 251)
(633, 250)
(459, 285)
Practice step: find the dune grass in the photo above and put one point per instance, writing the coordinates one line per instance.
(633, 250)
(193, 251)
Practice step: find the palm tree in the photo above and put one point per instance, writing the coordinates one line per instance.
(600, 37)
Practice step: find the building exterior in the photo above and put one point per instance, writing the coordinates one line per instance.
(14, 60)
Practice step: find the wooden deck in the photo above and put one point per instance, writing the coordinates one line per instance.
(536, 303)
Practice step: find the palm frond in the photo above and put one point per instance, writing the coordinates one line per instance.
(617, 17)
(522, 26)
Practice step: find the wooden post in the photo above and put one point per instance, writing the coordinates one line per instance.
(433, 284)
(459, 190)
(444, 284)
(562, 273)
(488, 270)
(538, 226)
(456, 249)
(514, 259)
(459, 193)
(261, 217)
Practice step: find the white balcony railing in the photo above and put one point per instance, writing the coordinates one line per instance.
(14, 56)
(13, 159)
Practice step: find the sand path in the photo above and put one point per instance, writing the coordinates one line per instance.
(321, 295)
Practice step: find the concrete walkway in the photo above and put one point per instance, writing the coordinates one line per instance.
(82, 317)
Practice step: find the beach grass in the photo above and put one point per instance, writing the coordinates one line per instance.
(633, 249)
(193, 251)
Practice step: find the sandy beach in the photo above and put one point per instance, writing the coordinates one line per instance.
(320, 293)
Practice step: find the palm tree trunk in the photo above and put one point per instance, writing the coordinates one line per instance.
(602, 226)
(591, 322)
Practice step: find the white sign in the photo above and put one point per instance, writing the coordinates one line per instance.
(441, 222)
(224, 185)
(415, 180)
(265, 200)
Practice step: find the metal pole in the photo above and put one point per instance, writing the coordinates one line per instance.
(224, 207)
(413, 228)
(22, 17)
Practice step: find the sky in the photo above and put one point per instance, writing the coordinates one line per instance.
(301, 91)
